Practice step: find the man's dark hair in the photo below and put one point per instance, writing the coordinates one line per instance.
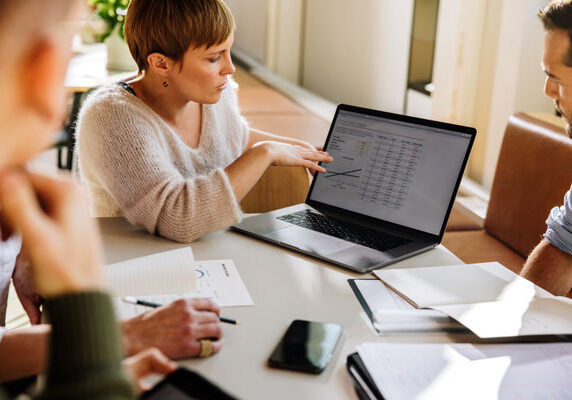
(558, 15)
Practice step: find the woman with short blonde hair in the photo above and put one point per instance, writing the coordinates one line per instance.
(169, 149)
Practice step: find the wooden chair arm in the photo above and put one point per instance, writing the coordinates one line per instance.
(279, 187)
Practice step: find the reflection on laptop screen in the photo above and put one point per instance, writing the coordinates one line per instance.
(396, 171)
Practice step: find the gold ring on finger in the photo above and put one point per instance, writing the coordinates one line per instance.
(206, 348)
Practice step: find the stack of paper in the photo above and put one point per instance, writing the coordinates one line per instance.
(488, 299)
(390, 313)
(464, 371)
(171, 275)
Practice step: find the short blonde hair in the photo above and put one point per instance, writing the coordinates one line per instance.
(170, 27)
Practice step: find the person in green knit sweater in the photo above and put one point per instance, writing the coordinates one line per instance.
(32, 79)
(50, 214)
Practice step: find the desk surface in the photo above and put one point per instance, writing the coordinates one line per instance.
(284, 286)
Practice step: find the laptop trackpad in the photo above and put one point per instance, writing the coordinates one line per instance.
(307, 240)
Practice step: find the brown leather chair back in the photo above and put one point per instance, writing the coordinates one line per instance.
(533, 173)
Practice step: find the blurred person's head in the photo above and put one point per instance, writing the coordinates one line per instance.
(557, 56)
(35, 40)
(183, 44)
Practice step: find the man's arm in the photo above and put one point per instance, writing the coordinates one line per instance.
(550, 268)
(63, 246)
(176, 329)
(23, 352)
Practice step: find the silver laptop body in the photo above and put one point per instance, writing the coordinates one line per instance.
(387, 195)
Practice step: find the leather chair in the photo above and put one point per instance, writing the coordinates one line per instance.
(459, 221)
(533, 173)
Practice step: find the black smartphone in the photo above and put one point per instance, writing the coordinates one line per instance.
(183, 384)
(306, 346)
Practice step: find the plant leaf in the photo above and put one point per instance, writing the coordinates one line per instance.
(113, 13)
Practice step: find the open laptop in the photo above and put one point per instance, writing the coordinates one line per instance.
(386, 196)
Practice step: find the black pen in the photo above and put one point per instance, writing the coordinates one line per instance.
(133, 300)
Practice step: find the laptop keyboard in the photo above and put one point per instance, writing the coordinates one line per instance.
(344, 230)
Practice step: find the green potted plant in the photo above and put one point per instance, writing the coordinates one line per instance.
(112, 12)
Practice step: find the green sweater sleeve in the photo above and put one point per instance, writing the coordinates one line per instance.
(85, 354)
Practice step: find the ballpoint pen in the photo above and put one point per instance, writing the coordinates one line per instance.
(136, 301)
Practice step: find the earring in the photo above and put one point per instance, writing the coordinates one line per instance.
(165, 84)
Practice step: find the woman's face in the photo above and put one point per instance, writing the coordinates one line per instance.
(201, 76)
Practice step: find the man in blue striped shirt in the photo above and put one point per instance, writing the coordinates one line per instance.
(550, 263)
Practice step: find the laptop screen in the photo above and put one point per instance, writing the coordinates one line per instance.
(396, 171)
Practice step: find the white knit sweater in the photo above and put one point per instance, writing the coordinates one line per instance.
(9, 250)
(136, 166)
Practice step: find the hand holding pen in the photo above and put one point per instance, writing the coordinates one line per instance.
(133, 300)
(184, 328)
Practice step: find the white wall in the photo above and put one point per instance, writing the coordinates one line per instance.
(357, 51)
(457, 60)
(487, 67)
(486, 61)
(288, 40)
(271, 33)
(530, 96)
(252, 27)
(519, 79)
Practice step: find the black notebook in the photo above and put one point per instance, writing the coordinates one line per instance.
(364, 385)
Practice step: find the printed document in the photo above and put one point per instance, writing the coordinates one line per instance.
(465, 371)
(168, 276)
(217, 280)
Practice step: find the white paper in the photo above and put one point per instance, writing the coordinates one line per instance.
(220, 280)
(415, 320)
(392, 314)
(514, 318)
(168, 272)
(378, 296)
(459, 284)
(463, 371)
(488, 299)
(217, 280)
